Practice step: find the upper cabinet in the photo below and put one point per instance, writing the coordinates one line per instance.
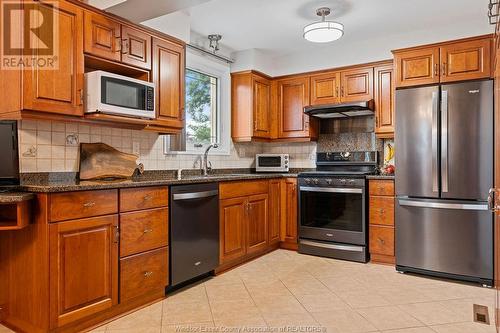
(467, 59)
(251, 110)
(353, 85)
(384, 101)
(292, 97)
(168, 75)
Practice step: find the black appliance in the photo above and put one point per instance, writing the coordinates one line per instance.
(194, 231)
(332, 205)
(9, 168)
(444, 159)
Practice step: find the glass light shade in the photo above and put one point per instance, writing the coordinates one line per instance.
(323, 32)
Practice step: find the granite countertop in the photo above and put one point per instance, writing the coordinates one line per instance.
(14, 197)
(52, 183)
(381, 177)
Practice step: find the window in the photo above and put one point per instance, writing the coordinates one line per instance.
(208, 111)
(201, 109)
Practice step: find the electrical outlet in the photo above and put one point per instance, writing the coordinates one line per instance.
(136, 148)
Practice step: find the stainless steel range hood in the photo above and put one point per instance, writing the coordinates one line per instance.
(345, 110)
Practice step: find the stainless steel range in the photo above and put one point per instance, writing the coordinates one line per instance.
(332, 205)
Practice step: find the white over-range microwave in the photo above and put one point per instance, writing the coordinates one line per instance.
(272, 162)
(119, 95)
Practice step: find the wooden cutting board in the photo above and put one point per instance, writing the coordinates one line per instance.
(99, 161)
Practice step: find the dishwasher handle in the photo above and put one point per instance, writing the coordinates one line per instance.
(195, 195)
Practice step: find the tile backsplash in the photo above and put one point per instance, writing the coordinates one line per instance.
(46, 146)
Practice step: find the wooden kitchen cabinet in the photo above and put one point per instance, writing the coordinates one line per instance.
(274, 211)
(251, 110)
(459, 60)
(325, 89)
(232, 229)
(289, 213)
(466, 60)
(58, 90)
(257, 223)
(356, 85)
(293, 96)
(169, 77)
(381, 221)
(136, 47)
(102, 36)
(384, 101)
(83, 268)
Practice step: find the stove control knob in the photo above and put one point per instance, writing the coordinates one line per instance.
(329, 182)
(343, 181)
(315, 181)
(351, 181)
(307, 181)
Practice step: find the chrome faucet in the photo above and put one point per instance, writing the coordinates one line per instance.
(205, 165)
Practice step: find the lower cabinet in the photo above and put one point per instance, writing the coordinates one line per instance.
(381, 221)
(83, 268)
(257, 223)
(232, 229)
(289, 213)
(274, 211)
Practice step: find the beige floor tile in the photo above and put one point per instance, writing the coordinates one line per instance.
(389, 317)
(230, 277)
(464, 328)
(221, 309)
(149, 317)
(344, 321)
(188, 328)
(404, 295)
(433, 313)
(195, 293)
(4, 329)
(227, 292)
(443, 292)
(267, 289)
(343, 283)
(294, 320)
(242, 321)
(363, 299)
(278, 305)
(95, 330)
(305, 286)
(322, 302)
(133, 329)
(185, 313)
(412, 330)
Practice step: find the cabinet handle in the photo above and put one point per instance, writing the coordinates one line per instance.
(118, 43)
(148, 274)
(125, 50)
(255, 125)
(117, 234)
(337, 91)
(342, 91)
(147, 231)
(443, 69)
(436, 69)
(381, 241)
(89, 204)
(147, 197)
(80, 95)
(382, 211)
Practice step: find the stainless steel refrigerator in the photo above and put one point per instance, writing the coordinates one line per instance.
(444, 161)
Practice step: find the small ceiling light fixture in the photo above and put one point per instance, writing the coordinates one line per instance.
(214, 42)
(323, 31)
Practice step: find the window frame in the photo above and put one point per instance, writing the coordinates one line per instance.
(222, 72)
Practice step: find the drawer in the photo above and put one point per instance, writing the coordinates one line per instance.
(143, 273)
(237, 189)
(143, 198)
(382, 210)
(381, 187)
(143, 231)
(381, 240)
(76, 205)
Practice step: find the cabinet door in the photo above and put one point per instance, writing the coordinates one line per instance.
(289, 211)
(232, 229)
(168, 75)
(274, 211)
(417, 67)
(59, 90)
(357, 85)
(136, 47)
(102, 36)
(257, 223)
(325, 89)
(466, 60)
(261, 107)
(83, 268)
(384, 101)
(293, 97)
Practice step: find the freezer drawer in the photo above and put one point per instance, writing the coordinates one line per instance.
(446, 237)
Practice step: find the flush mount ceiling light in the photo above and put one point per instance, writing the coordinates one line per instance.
(323, 31)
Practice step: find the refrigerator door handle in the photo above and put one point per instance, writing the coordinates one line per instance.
(434, 147)
(443, 205)
(444, 140)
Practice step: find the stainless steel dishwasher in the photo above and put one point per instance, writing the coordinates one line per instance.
(194, 231)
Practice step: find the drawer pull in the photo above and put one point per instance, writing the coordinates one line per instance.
(148, 274)
(382, 211)
(147, 231)
(198, 263)
(381, 241)
(147, 197)
(89, 204)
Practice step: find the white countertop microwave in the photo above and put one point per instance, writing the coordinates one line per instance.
(119, 95)
(272, 162)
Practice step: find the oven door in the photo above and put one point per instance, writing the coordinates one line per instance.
(333, 214)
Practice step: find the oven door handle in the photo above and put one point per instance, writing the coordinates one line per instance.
(331, 190)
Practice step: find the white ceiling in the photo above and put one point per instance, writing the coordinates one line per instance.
(275, 26)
